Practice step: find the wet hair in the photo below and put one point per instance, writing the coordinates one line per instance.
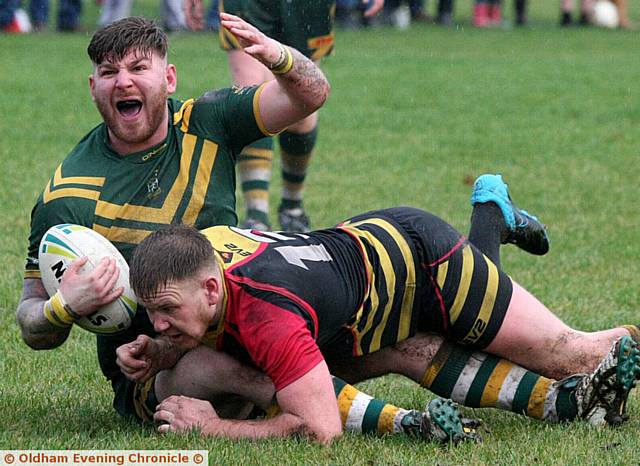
(114, 41)
(174, 253)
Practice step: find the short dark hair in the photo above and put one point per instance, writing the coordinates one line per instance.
(115, 40)
(174, 253)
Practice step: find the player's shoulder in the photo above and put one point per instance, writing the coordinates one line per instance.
(224, 94)
(87, 150)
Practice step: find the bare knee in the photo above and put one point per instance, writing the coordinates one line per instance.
(410, 358)
(216, 377)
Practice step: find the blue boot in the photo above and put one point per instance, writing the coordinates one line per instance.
(525, 230)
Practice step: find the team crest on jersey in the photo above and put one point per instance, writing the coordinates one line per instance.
(153, 186)
(227, 257)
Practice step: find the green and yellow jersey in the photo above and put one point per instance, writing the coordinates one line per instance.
(189, 178)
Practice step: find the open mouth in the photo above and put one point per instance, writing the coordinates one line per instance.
(129, 108)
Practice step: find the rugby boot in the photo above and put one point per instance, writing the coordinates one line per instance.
(602, 395)
(293, 220)
(524, 229)
(441, 422)
(251, 223)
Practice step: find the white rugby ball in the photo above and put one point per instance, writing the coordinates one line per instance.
(605, 14)
(60, 245)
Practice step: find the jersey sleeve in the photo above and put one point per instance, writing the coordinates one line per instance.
(232, 114)
(278, 341)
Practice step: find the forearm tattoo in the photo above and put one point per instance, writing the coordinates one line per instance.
(306, 78)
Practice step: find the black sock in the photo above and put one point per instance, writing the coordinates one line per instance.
(488, 230)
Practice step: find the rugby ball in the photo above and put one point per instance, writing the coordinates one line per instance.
(605, 14)
(60, 245)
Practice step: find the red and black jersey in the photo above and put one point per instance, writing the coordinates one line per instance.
(292, 299)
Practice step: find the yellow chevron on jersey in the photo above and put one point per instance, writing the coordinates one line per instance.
(232, 244)
(166, 212)
(58, 186)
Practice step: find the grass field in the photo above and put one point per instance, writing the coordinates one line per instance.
(414, 116)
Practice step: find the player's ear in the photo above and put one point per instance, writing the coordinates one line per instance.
(172, 78)
(213, 288)
(92, 87)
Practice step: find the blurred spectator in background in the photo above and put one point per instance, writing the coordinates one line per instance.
(13, 19)
(416, 8)
(444, 14)
(348, 16)
(212, 22)
(69, 15)
(520, 12)
(566, 12)
(487, 13)
(39, 13)
(623, 14)
(171, 13)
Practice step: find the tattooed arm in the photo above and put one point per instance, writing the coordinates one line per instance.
(84, 293)
(37, 331)
(300, 88)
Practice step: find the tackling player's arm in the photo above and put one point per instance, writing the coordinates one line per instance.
(308, 407)
(145, 357)
(300, 87)
(82, 293)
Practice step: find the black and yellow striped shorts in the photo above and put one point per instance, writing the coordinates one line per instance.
(134, 400)
(473, 293)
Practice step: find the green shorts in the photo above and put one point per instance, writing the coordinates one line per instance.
(306, 25)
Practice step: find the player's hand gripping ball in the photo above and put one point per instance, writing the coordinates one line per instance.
(60, 245)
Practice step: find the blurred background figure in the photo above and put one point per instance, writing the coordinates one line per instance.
(566, 12)
(69, 12)
(487, 13)
(416, 10)
(444, 15)
(171, 13)
(349, 14)
(212, 22)
(520, 12)
(13, 19)
(39, 13)
(623, 14)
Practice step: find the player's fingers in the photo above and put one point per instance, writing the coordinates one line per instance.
(77, 264)
(102, 271)
(168, 404)
(132, 365)
(244, 34)
(112, 295)
(164, 428)
(229, 17)
(138, 346)
(163, 415)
